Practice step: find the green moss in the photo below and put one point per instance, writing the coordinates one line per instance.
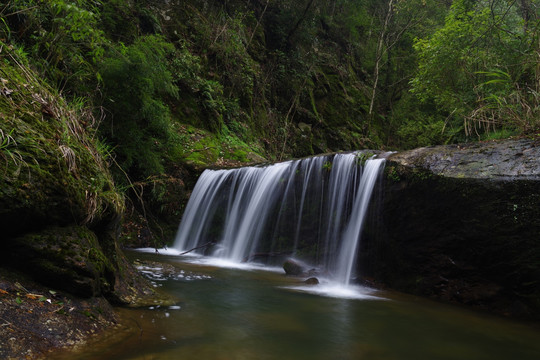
(362, 157)
(239, 155)
(54, 170)
(203, 148)
(392, 173)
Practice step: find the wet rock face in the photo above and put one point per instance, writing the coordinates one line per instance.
(462, 224)
(73, 260)
(503, 160)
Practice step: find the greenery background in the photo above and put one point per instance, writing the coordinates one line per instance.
(162, 89)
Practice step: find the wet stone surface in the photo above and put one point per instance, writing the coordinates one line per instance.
(460, 223)
(499, 160)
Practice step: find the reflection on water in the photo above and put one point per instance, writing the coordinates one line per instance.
(228, 313)
(337, 291)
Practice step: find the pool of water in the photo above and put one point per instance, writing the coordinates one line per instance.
(250, 313)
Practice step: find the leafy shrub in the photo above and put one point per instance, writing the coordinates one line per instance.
(187, 71)
(137, 82)
(63, 38)
(482, 67)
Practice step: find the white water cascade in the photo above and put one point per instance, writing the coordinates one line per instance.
(316, 203)
(351, 236)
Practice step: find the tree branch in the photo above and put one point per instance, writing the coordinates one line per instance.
(198, 247)
(379, 55)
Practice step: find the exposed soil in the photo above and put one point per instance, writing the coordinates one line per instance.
(35, 320)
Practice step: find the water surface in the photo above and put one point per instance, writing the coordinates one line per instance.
(231, 313)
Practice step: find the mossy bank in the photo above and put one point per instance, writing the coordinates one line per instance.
(59, 213)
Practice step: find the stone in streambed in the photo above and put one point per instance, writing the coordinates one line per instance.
(294, 267)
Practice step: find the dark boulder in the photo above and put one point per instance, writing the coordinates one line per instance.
(461, 224)
(294, 267)
(65, 258)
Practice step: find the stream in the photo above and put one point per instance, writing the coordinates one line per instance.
(259, 313)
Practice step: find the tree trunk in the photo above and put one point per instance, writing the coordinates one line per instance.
(379, 55)
(258, 24)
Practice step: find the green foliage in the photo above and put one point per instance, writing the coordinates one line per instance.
(478, 67)
(216, 107)
(446, 58)
(229, 44)
(137, 82)
(119, 20)
(362, 157)
(416, 133)
(392, 173)
(505, 106)
(248, 74)
(327, 166)
(417, 124)
(62, 36)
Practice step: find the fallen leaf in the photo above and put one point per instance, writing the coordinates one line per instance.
(33, 296)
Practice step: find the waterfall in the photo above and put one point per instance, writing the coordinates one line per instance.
(257, 190)
(351, 237)
(337, 204)
(312, 208)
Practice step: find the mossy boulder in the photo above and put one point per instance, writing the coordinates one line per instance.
(65, 258)
(71, 259)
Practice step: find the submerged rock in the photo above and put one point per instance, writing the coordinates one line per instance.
(294, 267)
(312, 281)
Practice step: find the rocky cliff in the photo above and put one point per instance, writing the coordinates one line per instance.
(461, 223)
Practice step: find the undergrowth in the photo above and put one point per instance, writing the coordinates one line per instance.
(48, 145)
